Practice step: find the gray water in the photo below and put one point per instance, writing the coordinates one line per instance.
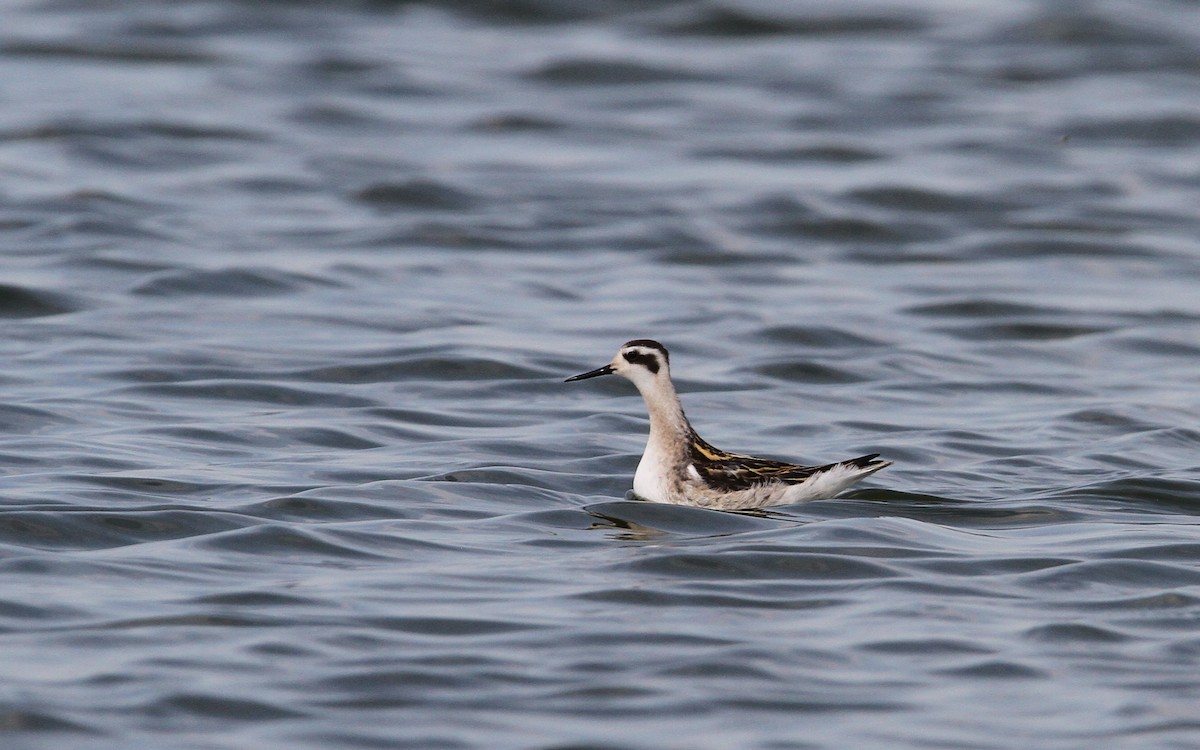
(289, 289)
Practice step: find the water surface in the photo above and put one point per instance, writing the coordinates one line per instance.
(289, 290)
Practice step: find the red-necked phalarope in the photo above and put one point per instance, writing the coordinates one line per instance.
(678, 467)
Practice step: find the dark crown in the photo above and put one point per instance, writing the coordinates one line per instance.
(634, 354)
(650, 344)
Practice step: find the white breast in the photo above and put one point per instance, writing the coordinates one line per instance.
(653, 480)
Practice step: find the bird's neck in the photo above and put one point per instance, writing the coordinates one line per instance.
(668, 448)
(668, 424)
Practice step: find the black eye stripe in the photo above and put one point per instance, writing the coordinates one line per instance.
(649, 361)
(650, 344)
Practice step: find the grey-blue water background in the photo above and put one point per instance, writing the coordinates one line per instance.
(288, 291)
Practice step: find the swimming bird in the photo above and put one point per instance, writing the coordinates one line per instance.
(680, 468)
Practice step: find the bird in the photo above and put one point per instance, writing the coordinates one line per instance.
(678, 467)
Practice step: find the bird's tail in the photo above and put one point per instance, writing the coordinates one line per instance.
(868, 464)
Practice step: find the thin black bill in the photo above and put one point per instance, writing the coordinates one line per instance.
(606, 370)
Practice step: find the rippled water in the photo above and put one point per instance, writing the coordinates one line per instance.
(289, 290)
